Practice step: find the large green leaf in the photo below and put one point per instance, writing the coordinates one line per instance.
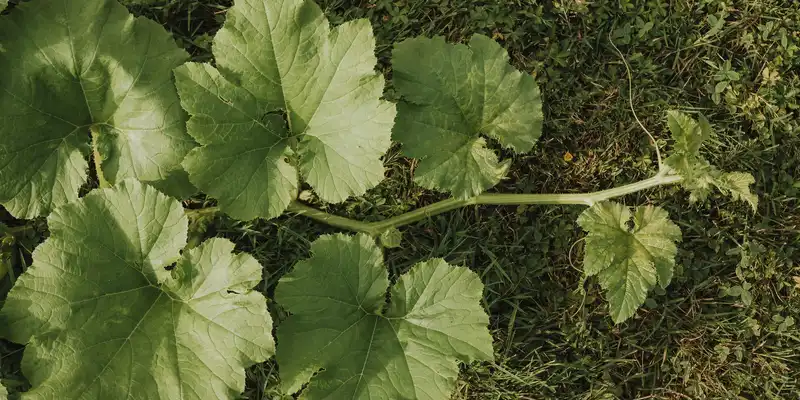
(368, 349)
(69, 66)
(280, 58)
(107, 315)
(454, 94)
(629, 258)
(699, 176)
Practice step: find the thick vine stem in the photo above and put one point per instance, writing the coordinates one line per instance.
(376, 228)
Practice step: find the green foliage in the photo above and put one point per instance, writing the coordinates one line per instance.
(552, 338)
(453, 94)
(3, 391)
(368, 349)
(698, 174)
(629, 259)
(279, 60)
(391, 238)
(106, 315)
(98, 69)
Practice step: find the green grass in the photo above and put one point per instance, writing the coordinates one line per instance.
(553, 336)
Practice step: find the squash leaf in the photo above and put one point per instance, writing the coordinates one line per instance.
(629, 257)
(110, 308)
(454, 94)
(72, 66)
(368, 349)
(289, 95)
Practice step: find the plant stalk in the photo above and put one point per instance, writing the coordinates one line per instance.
(376, 228)
(98, 160)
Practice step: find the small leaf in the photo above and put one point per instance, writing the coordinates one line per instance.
(720, 87)
(747, 297)
(699, 176)
(391, 238)
(111, 321)
(629, 262)
(452, 95)
(787, 324)
(734, 291)
(345, 338)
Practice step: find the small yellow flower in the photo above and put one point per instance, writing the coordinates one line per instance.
(568, 157)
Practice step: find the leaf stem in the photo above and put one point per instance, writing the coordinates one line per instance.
(98, 160)
(376, 228)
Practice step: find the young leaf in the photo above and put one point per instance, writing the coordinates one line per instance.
(69, 66)
(279, 57)
(341, 323)
(628, 261)
(453, 94)
(699, 176)
(105, 316)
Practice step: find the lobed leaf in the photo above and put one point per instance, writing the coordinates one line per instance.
(280, 58)
(628, 261)
(74, 65)
(111, 309)
(699, 176)
(342, 329)
(454, 94)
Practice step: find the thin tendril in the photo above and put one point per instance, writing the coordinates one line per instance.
(630, 101)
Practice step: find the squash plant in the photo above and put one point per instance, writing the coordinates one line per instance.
(117, 306)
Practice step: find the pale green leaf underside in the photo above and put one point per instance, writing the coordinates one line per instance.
(3, 391)
(628, 262)
(69, 65)
(275, 57)
(454, 94)
(700, 177)
(104, 319)
(340, 322)
(3, 5)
